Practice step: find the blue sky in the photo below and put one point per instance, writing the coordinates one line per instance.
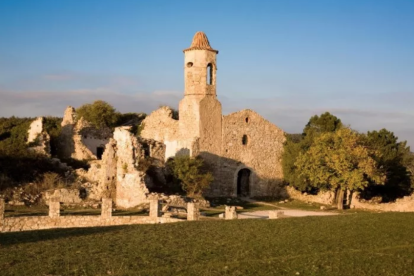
(288, 60)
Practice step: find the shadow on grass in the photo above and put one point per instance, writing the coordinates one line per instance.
(13, 238)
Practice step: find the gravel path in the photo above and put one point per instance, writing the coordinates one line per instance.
(287, 213)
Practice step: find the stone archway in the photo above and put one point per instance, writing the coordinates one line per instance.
(243, 182)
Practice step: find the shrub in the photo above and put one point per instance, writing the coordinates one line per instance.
(190, 173)
(100, 114)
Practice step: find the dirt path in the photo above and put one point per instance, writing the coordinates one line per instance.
(286, 212)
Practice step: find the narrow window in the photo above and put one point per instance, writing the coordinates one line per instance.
(146, 148)
(247, 119)
(99, 152)
(209, 74)
(245, 140)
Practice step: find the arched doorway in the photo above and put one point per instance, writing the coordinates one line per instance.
(243, 182)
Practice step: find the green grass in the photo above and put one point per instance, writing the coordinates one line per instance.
(357, 244)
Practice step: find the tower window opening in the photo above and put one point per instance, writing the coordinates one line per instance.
(247, 119)
(190, 64)
(209, 74)
(245, 140)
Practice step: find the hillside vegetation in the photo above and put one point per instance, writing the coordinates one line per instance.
(331, 156)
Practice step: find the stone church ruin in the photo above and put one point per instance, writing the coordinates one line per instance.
(242, 150)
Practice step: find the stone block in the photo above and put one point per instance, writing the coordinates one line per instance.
(274, 214)
(2, 208)
(106, 209)
(193, 212)
(230, 212)
(155, 208)
(54, 208)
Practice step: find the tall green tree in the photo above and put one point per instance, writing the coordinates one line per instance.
(339, 161)
(394, 160)
(296, 144)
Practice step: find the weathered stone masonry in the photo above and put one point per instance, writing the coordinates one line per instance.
(242, 149)
(55, 220)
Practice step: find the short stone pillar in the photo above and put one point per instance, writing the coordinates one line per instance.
(193, 212)
(2, 208)
(106, 208)
(274, 214)
(54, 208)
(230, 212)
(155, 208)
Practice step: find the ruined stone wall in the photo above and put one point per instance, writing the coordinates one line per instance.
(35, 129)
(261, 153)
(87, 139)
(79, 139)
(130, 186)
(56, 220)
(38, 138)
(327, 197)
(160, 126)
(405, 204)
(66, 143)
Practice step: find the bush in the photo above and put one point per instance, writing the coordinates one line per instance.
(100, 114)
(13, 135)
(190, 172)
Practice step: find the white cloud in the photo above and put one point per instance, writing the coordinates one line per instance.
(279, 110)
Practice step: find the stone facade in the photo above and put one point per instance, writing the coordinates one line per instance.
(242, 149)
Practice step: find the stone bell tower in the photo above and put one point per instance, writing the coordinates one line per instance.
(200, 111)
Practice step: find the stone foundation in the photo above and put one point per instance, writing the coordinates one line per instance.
(54, 220)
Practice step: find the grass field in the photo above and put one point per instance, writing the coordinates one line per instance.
(355, 244)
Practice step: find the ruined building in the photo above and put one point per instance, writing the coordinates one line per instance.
(243, 149)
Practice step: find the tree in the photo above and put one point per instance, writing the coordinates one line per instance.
(339, 161)
(394, 160)
(190, 172)
(296, 144)
(100, 114)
